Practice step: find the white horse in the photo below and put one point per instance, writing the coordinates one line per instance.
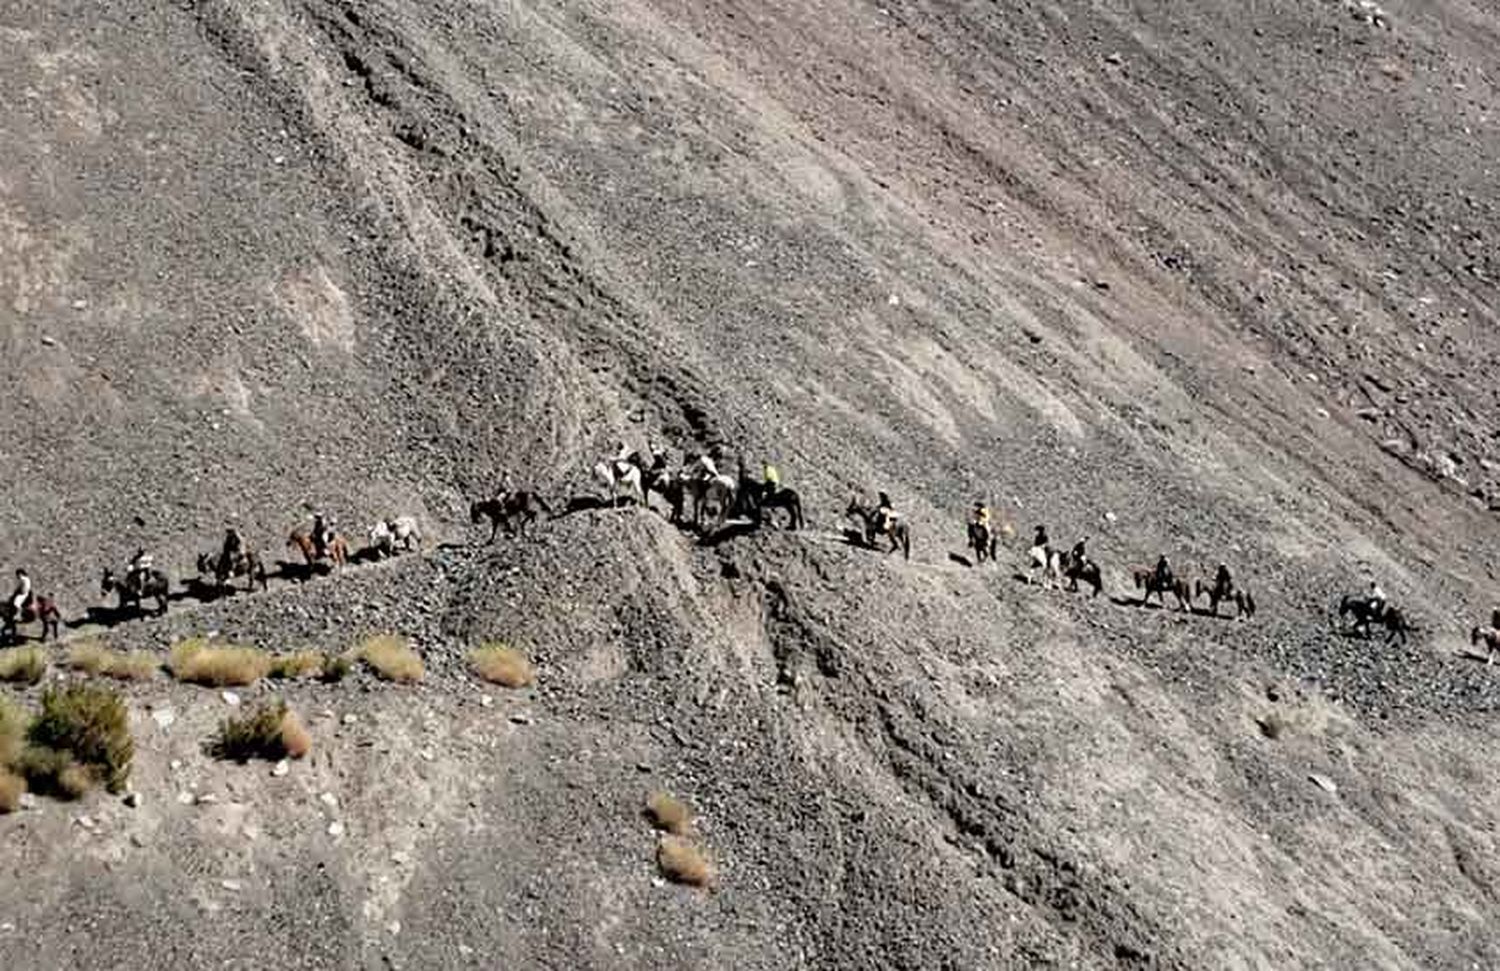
(384, 535)
(713, 493)
(623, 480)
(1049, 563)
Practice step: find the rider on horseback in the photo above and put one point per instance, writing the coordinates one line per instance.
(1377, 600)
(885, 515)
(770, 481)
(1080, 552)
(980, 516)
(1223, 583)
(1041, 542)
(234, 546)
(1162, 575)
(322, 534)
(140, 565)
(20, 600)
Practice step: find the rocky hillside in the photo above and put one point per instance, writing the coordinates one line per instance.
(1207, 279)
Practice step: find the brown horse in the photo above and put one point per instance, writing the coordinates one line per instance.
(39, 608)
(513, 510)
(1147, 580)
(1244, 602)
(337, 552)
(896, 529)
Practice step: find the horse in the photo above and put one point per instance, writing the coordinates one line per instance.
(1491, 638)
(761, 496)
(982, 541)
(223, 567)
(137, 587)
(384, 535)
(623, 480)
(898, 530)
(521, 505)
(1244, 602)
(37, 607)
(1049, 562)
(715, 493)
(1148, 581)
(337, 551)
(1080, 568)
(1366, 614)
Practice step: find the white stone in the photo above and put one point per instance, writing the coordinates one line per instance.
(335, 828)
(330, 800)
(281, 768)
(230, 698)
(186, 798)
(164, 717)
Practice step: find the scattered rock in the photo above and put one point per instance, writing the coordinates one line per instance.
(1113, 57)
(230, 698)
(165, 718)
(206, 799)
(486, 701)
(350, 718)
(232, 886)
(329, 799)
(49, 341)
(281, 768)
(85, 822)
(1323, 782)
(335, 829)
(27, 801)
(186, 798)
(521, 718)
(132, 800)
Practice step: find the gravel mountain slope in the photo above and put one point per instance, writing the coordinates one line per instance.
(1211, 281)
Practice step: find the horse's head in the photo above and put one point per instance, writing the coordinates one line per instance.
(107, 581)
(205, 562)
(475, 512)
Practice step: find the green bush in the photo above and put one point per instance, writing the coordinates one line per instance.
(90, 724)
(25, 665)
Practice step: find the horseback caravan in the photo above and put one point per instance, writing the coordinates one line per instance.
(387, 534)
(882, 520)
(233, 559)
(142, 582)
(513, 510)
(319, 544)
(25, 607)
(1161, 581)
(1221, 589)
(1075, 565)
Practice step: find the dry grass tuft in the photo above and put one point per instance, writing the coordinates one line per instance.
(669, 814)
(336, 667)
(54, 773)
(89, 725)
(503, 665)
(299, 664)
(296, 741)
(269, 731)
(14, 721)
(683, 862)
(94, 658)
(26, 665)
(12, 787)
(392, 658)
(197, 662)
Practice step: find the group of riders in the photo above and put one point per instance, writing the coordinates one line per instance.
(744, 495)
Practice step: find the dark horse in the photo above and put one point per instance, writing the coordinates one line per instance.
(1148, 581)
(982, 541)
(513, 510)
(138, 586)
(1244, 602)
(758, 497)
(898, 530)
(1075, 568)
(39, 608)
(1367, 614)
(224, 566)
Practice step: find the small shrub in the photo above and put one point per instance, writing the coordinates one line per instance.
(300, 664)
(25, 665)
(216, 666)
(269, 731)
(669, 814)
(14, 721)
(94, 658)
(336, 667)
(502, 665)
(12, 787)
(53, 772)
(90, 724)
(682, 862)
(392, 658)
(296, 741)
